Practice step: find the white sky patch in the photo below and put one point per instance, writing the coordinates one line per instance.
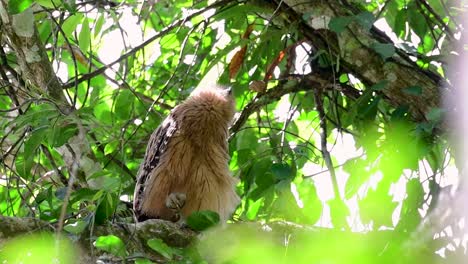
(61, 69)
(383, 25)
(112, 44)
(302, 56)
(189, 59)
(137, 121)
(283, 110)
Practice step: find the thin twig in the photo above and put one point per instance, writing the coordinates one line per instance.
(161, 33)
(323, 140)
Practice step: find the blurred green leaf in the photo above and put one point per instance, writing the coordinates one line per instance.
(357, 175)
(400, 22)
(417, 21)
(18, 6)
(98, 26)
(111, 244)
(384, 50)
(202, 220)
(338, 211)
(124, 104)
(339, 24)
(77, 227)
(366, 19)
(85, 36)
(282, 171)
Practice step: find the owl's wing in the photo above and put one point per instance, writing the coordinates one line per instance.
(157, 145)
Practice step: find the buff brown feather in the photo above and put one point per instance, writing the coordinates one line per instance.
(187, 156)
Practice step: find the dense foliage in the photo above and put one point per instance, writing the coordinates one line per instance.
(321, 139)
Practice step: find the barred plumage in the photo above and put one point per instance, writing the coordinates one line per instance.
(188, 154)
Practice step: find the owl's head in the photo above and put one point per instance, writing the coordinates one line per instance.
(214, 101)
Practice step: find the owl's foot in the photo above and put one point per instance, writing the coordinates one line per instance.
(175, 202)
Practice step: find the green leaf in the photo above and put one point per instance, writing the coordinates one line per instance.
(106, 207)
(162, 248)
(123, 104)
(22, 166)
(18, 6)
(111, 244)
(49, 3)
(202, 220)
(77, 227)
(417, 22)
(98, 26)
(379, 86)
(413, 90)
(366, 19)
(253, 208)
(344, 78)
(261, 170)
(70, 24)
(357, 176)
(339, 24)
(384, 50)
(70, 5)
(61, 134)
(377, 206)
(400, 23)
(246, 139)
(415, 194)
(313, 207)
(85, 36)
(34, 141)
(338, 212)
(104, 180)
(111, 147)
(282, 171)
(143, 261)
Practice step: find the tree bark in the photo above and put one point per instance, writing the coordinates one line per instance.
(353, 49)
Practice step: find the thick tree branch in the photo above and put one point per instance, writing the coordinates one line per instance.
(134, 235)
(353, 47)
(21, 33)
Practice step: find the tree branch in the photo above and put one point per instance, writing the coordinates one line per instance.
(36, 68)
(354, 48)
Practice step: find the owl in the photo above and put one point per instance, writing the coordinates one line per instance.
(185, 168)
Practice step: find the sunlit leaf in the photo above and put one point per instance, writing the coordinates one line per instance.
(111, 244)
(338, 211)
(84, 36)
(18, 6)
(162, 248)
(38, 248)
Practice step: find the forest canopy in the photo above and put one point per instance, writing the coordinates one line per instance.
(344, 142)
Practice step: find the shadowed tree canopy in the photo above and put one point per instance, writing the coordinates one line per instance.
(340, 144)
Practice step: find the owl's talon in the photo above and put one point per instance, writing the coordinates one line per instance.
(176, 201)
